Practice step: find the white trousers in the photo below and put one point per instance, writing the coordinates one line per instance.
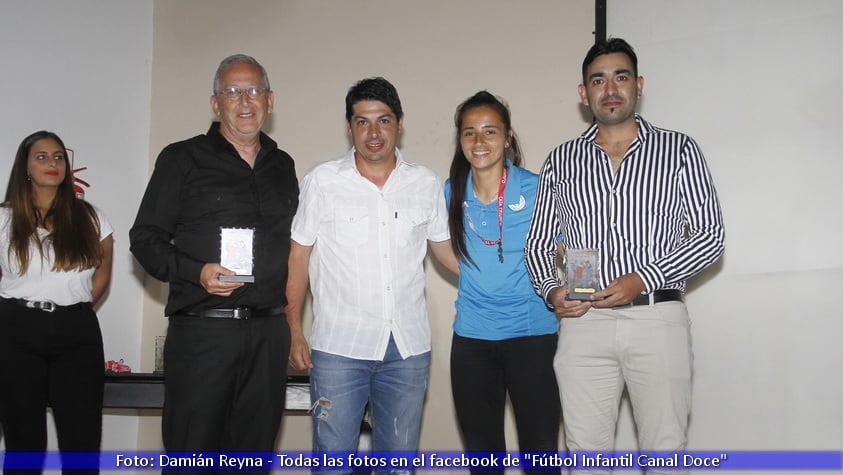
(645, 348)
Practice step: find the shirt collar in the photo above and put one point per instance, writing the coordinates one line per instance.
(221, 143)
(644, 129)
(348, 165)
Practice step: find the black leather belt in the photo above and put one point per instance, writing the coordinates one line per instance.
(669, 295)
(237, 313)
(46, 306)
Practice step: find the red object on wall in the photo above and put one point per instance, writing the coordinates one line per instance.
(77, 182)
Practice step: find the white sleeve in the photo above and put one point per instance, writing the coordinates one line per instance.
(105, 225)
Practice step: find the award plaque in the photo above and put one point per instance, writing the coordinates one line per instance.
(236, 254)
(582, 271)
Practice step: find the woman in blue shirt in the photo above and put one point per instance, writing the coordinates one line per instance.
(504, 334)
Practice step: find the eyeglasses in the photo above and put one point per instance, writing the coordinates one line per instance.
(233, 93)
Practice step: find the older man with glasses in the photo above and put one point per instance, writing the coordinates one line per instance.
(215, 223)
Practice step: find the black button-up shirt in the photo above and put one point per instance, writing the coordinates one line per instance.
(199, 186)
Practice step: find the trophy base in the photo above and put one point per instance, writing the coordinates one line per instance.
(580, 294)
(249, 279)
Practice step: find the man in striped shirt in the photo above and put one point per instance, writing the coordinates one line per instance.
(643, 197)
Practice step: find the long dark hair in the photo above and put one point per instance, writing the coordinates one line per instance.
(73, 222)
(460, 166)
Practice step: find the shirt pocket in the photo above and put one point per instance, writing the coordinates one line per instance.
(351, 225)
(278, 203)
(210, 205)
(412, 226)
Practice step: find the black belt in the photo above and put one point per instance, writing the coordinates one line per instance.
(237, 313)
(46, 306)
(669, 295)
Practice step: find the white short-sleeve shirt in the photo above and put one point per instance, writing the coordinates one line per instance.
(40, 282)
(366, 267)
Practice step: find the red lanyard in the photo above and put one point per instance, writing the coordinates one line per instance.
(499, 241)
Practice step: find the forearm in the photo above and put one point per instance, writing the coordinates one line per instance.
(444, 253)
(152, 248)
(693, 255)
(297, 281)
(705, 236)
(101, 279)
(541, 265)
(542, 244)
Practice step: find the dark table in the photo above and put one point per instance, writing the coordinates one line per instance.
(146, 390)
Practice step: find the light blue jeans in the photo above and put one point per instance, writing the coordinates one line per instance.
(341, 387)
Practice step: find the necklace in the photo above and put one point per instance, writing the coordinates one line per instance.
(499, 240)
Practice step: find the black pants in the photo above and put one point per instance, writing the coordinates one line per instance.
(225, 382)
(483, 371)
(53, 359)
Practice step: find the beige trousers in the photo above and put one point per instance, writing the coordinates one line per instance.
(645, 348)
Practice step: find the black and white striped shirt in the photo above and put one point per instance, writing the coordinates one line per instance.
(658, 216)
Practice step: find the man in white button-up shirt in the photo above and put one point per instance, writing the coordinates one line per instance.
(361, 233)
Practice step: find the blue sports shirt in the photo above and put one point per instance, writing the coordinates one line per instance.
(496, 300)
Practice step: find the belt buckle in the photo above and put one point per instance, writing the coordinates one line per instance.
(241, 313)
(43, 306)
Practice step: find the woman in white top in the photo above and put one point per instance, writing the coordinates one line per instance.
(55, 259)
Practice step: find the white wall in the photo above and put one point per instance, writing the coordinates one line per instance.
(82, 69)
(758, 84)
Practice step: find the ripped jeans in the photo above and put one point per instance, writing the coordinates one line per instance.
(341, 387)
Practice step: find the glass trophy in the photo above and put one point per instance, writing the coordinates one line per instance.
(236, 254)
(582, 272)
